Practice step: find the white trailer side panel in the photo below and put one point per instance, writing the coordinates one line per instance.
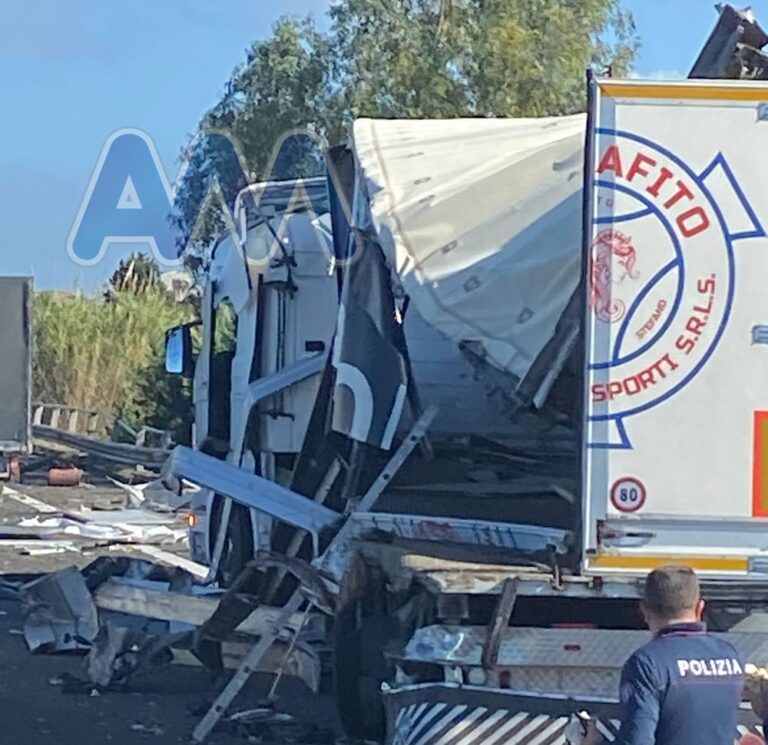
(677, 327)
(15, 364)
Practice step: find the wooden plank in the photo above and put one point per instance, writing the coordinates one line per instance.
(172, 606)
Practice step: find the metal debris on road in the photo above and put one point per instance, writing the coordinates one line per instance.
(156, 496)
(104, 662)
(60, 614)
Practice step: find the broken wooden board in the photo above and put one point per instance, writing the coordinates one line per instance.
(172, 606)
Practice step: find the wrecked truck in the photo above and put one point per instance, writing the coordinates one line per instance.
(483, 390)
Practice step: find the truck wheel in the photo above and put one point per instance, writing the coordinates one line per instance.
(358, 691)
(361, 636)
(238, 545)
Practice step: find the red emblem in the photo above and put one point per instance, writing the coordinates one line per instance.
(607, 245)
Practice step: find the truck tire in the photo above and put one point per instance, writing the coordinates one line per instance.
(238, 546)
(356, 685)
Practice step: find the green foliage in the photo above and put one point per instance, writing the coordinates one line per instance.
(447, 58)
(107, 354)
(280, 86)
(402, 58)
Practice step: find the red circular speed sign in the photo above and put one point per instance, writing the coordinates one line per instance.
(628, 494)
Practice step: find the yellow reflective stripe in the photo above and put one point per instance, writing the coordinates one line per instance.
(678, 91)
(652, 561)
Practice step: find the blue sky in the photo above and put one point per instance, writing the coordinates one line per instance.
(673, 32)
(73, 72)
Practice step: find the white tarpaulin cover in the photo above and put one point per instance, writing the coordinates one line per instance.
(482, 220)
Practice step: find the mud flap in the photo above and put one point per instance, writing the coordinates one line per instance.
(434, 713)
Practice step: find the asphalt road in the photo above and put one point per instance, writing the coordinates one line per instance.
(38, 709)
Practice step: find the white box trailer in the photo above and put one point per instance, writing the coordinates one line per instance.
(676, 404)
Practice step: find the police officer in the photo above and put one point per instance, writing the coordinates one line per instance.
(683, 687)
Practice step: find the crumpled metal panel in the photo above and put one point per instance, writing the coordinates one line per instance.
(59, 613)
(250, 490)
(531, 538)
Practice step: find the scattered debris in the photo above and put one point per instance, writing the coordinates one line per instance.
(156, 496)
(60, 614)
(166, 557)
(43, 548)
(154, 729)
(265, 725)
(104, 662)
(31, 502)
(103, 531)
(56, 530)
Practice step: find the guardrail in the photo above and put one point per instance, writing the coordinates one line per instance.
(92, 432)
(96, 423)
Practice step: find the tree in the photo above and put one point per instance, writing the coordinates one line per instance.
(445, 58)
(283, 84)
(138, 273)
(403, 58)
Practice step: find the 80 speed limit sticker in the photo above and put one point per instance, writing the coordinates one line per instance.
(628, 494)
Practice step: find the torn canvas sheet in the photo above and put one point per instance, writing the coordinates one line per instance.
(481, 219)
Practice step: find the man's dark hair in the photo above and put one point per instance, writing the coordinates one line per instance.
(671, 591)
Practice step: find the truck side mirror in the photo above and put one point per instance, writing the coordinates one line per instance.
(178, 351)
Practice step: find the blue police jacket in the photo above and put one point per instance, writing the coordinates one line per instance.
(682, 688)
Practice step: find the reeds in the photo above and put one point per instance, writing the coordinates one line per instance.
(100, 352)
